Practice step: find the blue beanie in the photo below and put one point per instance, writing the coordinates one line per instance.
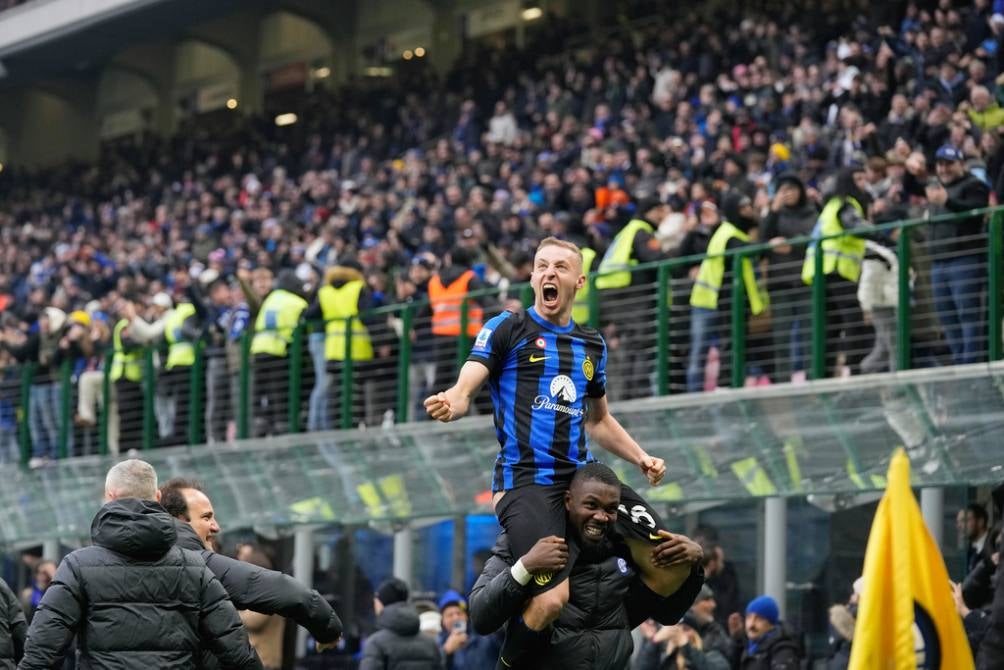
(764, 607)
(452, 597)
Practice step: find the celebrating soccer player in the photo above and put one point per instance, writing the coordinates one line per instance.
(547, 379)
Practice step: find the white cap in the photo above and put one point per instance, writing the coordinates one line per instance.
(430, 622)
(56, 317)
(163, 300)
(207, 277)
(859, 585)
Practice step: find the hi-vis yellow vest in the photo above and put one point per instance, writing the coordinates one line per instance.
(278, 316)
(708, 284)
(580, 310)
(337, 304)
(843, 254)
(125, 364)
(179, 353)
(618, 259)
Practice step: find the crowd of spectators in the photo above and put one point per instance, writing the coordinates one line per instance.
(572, 136)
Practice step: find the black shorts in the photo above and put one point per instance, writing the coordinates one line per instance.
(532, 512)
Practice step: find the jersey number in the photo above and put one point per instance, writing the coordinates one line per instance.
(639, 514)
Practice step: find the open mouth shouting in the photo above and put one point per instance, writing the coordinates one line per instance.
(549, 294)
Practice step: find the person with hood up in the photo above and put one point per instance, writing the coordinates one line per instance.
(273, 333)
(398, 643)
(134, 599)
(791, 215)
(843, 253)
(343, 294)
(711, 297)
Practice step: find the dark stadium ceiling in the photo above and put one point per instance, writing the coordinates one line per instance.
(81, 54)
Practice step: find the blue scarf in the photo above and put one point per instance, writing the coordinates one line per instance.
(753, 645)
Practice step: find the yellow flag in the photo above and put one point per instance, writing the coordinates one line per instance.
(905, 582)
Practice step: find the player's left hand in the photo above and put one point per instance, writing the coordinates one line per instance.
(325, 646)
(653, 469)
(676, 550)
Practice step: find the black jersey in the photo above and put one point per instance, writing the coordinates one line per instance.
(540, 377)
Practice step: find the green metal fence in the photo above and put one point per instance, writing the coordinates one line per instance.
(649, 327)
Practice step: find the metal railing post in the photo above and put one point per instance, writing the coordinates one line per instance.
(662, 330)
(995, 245)
(347, 373)
(594, 301)
(903, 313)
(23, 428)
(106, 404)
(295, 378)
(738, 326)
(526, 296)
(818, 313)
(65, 418)
(463, 341)
(404, 365)
(149, 385)
(244, 388)
(196, 413)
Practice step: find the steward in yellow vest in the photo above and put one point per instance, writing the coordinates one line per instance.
(180, 333)
(274, 328)
(845, 327)
(580, 311)
(711, 296)
(343, 293)
(844, 211)
(635, 243)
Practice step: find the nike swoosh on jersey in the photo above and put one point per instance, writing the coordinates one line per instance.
(536, 359)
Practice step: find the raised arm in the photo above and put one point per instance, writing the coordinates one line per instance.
(270, 592)
(607, 432)
(453, 403)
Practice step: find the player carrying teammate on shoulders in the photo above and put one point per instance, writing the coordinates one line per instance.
(547, 377)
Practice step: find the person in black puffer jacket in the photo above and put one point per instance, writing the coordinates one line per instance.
(608, 597)
(250, 587)
(133, 599)
(398, 644)
(12, 628)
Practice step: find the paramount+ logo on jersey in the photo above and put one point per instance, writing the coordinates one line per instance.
(562, 395)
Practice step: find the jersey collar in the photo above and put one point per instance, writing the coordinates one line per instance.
(544, 323)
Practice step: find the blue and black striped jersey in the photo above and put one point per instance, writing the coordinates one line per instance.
(540, 377)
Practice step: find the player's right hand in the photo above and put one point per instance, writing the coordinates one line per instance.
(438, 407)
(550, 554)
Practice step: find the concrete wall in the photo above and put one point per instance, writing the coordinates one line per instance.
(52, 130)
(288, 38)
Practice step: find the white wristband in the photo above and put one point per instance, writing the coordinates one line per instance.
(520, 573)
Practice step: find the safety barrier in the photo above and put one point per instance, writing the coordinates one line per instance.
(931, 303)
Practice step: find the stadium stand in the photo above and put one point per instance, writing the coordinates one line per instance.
(503, 151)
(243, 278)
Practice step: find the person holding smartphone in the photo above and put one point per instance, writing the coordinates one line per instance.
(462, 648)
